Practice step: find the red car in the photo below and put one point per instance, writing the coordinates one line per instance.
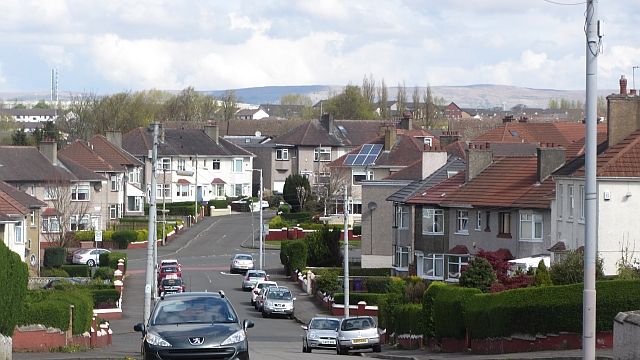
(169, 270)
(170, 285)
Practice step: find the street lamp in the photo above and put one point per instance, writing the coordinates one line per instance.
(261, 254)
(150, 271)
(346, 252)
(372, 205)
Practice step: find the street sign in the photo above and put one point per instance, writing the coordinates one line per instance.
(97, 235)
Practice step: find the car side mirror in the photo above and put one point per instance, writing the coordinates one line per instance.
(139, 327)
(246, 324)
(304, 327)
(294, 299)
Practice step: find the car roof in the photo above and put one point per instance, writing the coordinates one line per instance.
(166, 261)
(236, 255)
(324, 318)
(193, 295)
(357, 317)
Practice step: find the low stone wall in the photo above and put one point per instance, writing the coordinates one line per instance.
(5, 347)
(626, 332)
(38, 282)
(38, 338)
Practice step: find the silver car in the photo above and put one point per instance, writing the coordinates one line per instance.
(278, 300)
(255, 291)
(358, 333)
(320, 334)
(241, 263)
(252, 277)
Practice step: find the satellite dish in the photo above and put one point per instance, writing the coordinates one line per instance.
(98, 186)
(372, 205)
(258, 134)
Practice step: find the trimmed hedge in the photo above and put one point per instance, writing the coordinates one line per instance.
(77, 270)
(354, 298)
(549, 309)
(327, 280)
(53, 272)
(54, 257)
(219, 204)
(105, 296)
(296, 218)
(51, 308)
(376, 284)
(111, 259)
(409, 319)
(293, 255)
(357, 271)
(13, 277)
(104, 273)
(428, 299)
(448, 311)
(124, 237)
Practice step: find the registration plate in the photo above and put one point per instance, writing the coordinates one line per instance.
(328, 342)
(359, 341)
(278, 310)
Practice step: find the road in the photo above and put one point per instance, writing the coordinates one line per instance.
(204, 251)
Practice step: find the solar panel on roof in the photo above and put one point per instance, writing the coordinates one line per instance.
(349, 159)
(366, 156)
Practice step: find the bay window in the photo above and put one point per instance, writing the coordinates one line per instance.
(401, 258)
(50, 224)
(433, 266)
(456, 263)
(402, 217)
(79, 222)
(432, 221)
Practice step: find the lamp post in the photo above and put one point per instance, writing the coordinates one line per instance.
(195, 201)
(261, 253)
(372, 205)
(346, 253)
(150, 271)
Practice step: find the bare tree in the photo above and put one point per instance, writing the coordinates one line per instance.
(66, 199)
(383, 98)
(416, 102)
(401, 99)
(429, 109)
(369, 90)
(229, 104)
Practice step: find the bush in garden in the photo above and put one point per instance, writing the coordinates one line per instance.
(51, 308)
(54, 257)
(13, 277)
(358, 271)
(111, 259)
(409, 319)
(542, 277)
(105, 298)
(104, 273)
(296, 191)
(293, 255)
(569, 268)
(428, 299)
(376, 284)
(142, 235)
(276, 222)
(77, 270)
(219, 204)
(394, 298)
(357, 230)
(53, 272)
(84, 235)
(327, 280)
(448, 311)
(479, 274)
(414, 289)
(354, 298)
(323, 248)
(284, 209)
(124, 237)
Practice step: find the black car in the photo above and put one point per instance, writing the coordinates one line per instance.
(194, 325)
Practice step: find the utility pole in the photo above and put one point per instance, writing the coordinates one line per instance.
(593, 37)
(195, 210)
(261, 234)
(346, 252)
(150, 272)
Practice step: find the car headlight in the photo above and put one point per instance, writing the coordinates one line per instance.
(236, 337)
(156, 340)
(268, 303)
(313, 336)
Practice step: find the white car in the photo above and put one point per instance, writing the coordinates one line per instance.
(90, 257)
(255, 291)
(241, 263)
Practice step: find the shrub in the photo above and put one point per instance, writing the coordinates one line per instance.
(569, 269)
(354, 298)
(358, 271)
(14, 278)
(296, 191)
(54, 257)
(414, 289)
(284, 209)
(53, 272)
(277, 223)
(105, 297)
(219, 204)
(542, 277)
(77, 270)
(327, 281)
(84, 235)
(376, 284)
(124, 237)
(296, 218)
(448, 311)
(142, 235)
(51, 308)
(104, 273)
(393, 299)
(323, 248)
(428, 299)
(111, 259)
(409, 319)
(479, 274)
(293, 255)
(357, 230)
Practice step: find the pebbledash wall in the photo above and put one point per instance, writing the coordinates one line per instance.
(5, 348)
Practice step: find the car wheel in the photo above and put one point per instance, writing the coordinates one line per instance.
(305, 349)
(264, 314)
(91, 263)
(341, 350)
(253, 303)
(377, 348)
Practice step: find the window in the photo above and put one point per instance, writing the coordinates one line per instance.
(182, 164)
(401, 258)
(282, 154)
(204, 163)
(219, 190)
(451, 173)
(505, 224)
(581, 202)
(456, 262)
(488, 218)
(237, 189)
(134, 175)
(182, 190)
(433, 266)
(478, 220)
(356, 209)
(19, 234)
(80, 192)
(433, 221)
(560, 200)
(50, 224)
(79, 223)
(322, 154)
(215, 164)
(163, 191)
(32, 218)
(402, 217)
(237, 165)
(115, 183)
(165, 164)
(428, 141)
(50, 193)
(571, 202)
(462, 221)
(530, 226)
(113, 212)
(359, 176)
(134, 203)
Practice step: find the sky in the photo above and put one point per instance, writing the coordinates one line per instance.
(115, 45)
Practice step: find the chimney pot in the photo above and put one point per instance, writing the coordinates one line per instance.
(623, 85)
(632, 92)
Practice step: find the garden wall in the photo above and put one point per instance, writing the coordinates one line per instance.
(295, 233)
(5, 347)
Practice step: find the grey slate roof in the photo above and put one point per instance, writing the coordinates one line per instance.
(453, 164)
(346, 133)
(27, 164)
(22, 197)
(80, 172)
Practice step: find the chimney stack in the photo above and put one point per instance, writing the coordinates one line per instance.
(114, 137)
(389, 138)
(478, 158)
(406, 122)
(213, 132)
(550, 159)
(507, 119)
(327, 122)
(623, 85)
(433, 158)
(50, 150)
(449, 137)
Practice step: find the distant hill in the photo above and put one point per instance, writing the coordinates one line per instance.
(481, 96)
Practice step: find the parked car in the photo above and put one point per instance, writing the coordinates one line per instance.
(170, 285)
(194, 325)
(90, 257)
(252, 277)
(168, 270)
(278, 300)
(320, 333)
(261, 284)
(51, 284)
(359, 332)
(241, 263)
(173, 262)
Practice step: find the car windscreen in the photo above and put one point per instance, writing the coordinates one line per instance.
(169, 269)
(256, 275)
(279, 295)
(171, 282)
(244, 257)
(194, 310)
(357, 324)
(324, 324)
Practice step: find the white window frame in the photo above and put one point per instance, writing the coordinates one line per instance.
(215, 164)
(402, 217)
(51, 193)
(50, 224)
(458, 261)
(75, 221)
(479, 220)
(115, 182)
(134, 175)
(322, 154)
(581, 201)
(238, 162)
(113, 212)
(282, 154)
(428, 141)
(431, 215)
(462, 222)
(167, 191)
(237, 187)
(32, 218)
(183, 190)
(361, 174)
(19, 232)
(432, 259)
(560, 200)
(165, 164)
(76, 192)
(570, 200)
(401, 255)
(182, 164)
(532, 219)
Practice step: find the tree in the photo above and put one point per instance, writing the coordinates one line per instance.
(569, 268)
(350, 104)
(229, 105)
(369, 90)
(429, 118)
(479, 274)
(401, 99)
(296, 191)
(415, 96)
(323, 247)
(48, 132)
(296, 99)
(19, 138)
(383, 98)
(41, 105)
(542, 277)
(71, 215)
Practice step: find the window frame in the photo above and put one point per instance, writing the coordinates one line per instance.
(235, 163)
(433, 259)
(282, 154)
(502, 215)
(581, 201)
(181, 164)
(532, 218)
(50, 192)
(402, 217)
(401, 253)
(459, 263)
(322, 154)
(215, 164)
(165, 163)
(570, 201)
(363, 175)
(75, 191)
(19, 235)
(560, 200)
(114, 180)
(75, 221)
(462, 222)
(479, 220)
(436, 213)
(47, 225)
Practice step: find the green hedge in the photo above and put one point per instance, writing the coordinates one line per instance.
(354, 298)
(219, 204)
(51, 308)
(296, 218)
(104, 273)
(376, 284)
(357, 230)
(111, 259)
(105, 296)
(549, 309)
(448, 311)
(177, 209)
(53, 272)
(293, 255)
(358, 271)
(77, 270)
(124, 237)
(54, 257)
(428, 299)
(409, 319)
(13, 277)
